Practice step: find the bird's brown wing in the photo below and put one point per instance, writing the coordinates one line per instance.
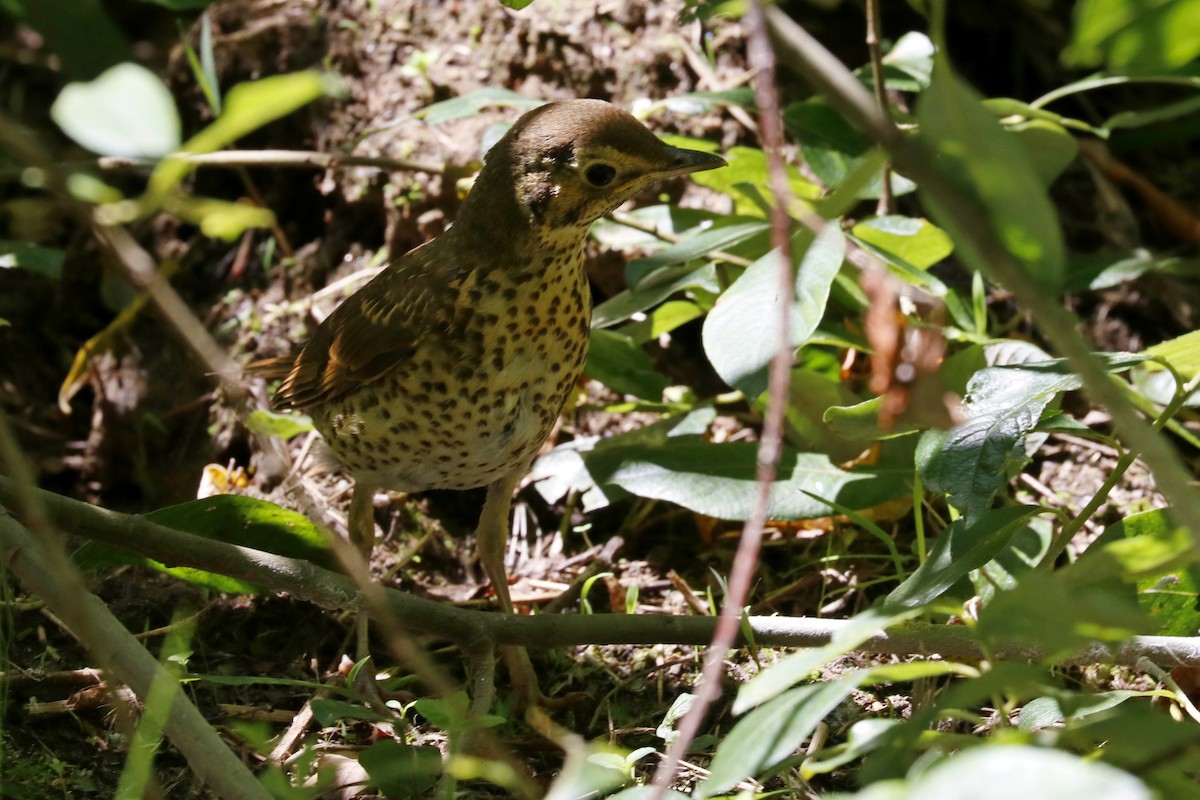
(376, 330)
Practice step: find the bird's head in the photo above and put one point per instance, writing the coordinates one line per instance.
(571, 162)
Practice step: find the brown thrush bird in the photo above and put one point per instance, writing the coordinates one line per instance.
(448, 370)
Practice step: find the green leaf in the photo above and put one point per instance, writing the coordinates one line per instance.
(741, 334)
(618, 362)
(401, 770)
(718, 480)
(641, 273)
(960, 549)
(1005, 772)
(1058, 617)
(800, 666)
(915, 240)
(1045, 712)
(742, 96)
(271, 423)
(126, 111)
(912, 55)
(860, 422)
(744, 176)
(248, 107)
(1183, 353)
(832, 148)
(971, 462)
(994, 171)
(472, 103)
(45, 261)
(664, 319)
(657, 287)
(328, 712)
(771, 733)
(220, 219)
(243, 521)
(1147, 546)
(1142, 33)
(1048, 146)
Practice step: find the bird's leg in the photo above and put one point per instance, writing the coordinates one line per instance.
(361, 526)
(491, 537)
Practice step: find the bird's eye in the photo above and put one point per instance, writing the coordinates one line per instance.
(600, 174)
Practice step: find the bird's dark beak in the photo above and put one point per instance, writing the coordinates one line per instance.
(685, 162)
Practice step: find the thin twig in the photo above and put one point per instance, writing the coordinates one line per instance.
(741, 575)
(885, 193)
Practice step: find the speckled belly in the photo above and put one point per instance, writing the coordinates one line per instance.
(446, 424)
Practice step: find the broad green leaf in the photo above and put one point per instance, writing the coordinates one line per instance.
(1183, 353)
(1058, 617)
(243, 521)
(993, 169)
(860, 422)
(45, 261)
(1142, 33)
(126, 111)
(1023, 550)
(658, 286)
(1105, 270)
(401, 770)
(960, 549)
(832, 148)
(590, 769)
(723, 236)
(248, 107)
(971, 462)
(622, 365)
(328, 712)
(915, 240)
(1187, 76)
(1047, 145)
(1044, 712)
(1005, 772)
(800, 666)
(741, 334)
(812, 394)
(271, 423)
(1149, 546)
(718, 480)
(771, 733)
(472, 103)
(912, 54)
(743, 179)
(664, 319)
(1141, 739)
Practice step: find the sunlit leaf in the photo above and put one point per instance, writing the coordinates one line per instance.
(126, 111)
(993, 169)
(742, 333)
